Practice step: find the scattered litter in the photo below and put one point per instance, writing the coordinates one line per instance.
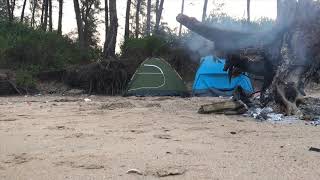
(170, 171)
(87, 100)
(134, 171)
(314, 149)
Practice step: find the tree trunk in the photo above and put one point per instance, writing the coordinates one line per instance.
(158, 16)
(60, 17)
(127, 25)
(106, 23)
(87, 8)
(182, 11)
(79, 25)
(35, 4)
(9, 11)
(23, 8)
(10, 7)
(113, 30)
(137, 30)
(42, 12)
(248, 11)
(148, 18)
(46, 14)
(50, 15)
(225, 40)
(204, 13)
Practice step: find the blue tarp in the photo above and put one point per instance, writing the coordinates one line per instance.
(211, 80)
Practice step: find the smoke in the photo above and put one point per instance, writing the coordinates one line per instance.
(232, 34)
(198, 45)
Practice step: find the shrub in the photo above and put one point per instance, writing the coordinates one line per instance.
(22, 47)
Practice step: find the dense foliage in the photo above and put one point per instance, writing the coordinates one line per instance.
(29, 51)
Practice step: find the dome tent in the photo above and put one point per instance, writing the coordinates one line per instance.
(155, 77)
(211, 80)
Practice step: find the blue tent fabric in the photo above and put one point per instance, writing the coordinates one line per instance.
(211, 80)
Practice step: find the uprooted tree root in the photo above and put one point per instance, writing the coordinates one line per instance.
(105, 77)
(108, 77)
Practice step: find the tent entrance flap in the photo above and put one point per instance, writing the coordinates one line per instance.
(160, 73)
(155, 77)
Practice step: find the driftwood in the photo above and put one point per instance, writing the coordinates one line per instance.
(292, 48)
(227, 107)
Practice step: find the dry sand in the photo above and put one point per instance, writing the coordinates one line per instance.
(57, 137)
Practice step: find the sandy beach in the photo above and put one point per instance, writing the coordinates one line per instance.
(99, 137)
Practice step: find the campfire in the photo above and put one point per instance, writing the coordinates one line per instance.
(288, 58)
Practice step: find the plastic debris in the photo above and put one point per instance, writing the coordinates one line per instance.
(87, 100)
(134, 171)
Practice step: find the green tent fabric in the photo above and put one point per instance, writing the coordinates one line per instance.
(155, 77)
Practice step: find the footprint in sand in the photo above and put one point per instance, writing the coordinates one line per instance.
(135, 131)
(18, 158)
(79, 135)
(198, 129)
(85, 161)
(8, 120)
(162, 136)
(79, 165)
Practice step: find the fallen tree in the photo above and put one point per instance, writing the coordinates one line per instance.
(292, 48)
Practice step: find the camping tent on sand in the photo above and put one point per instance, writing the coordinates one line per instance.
(211, 80)
(155, 77)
